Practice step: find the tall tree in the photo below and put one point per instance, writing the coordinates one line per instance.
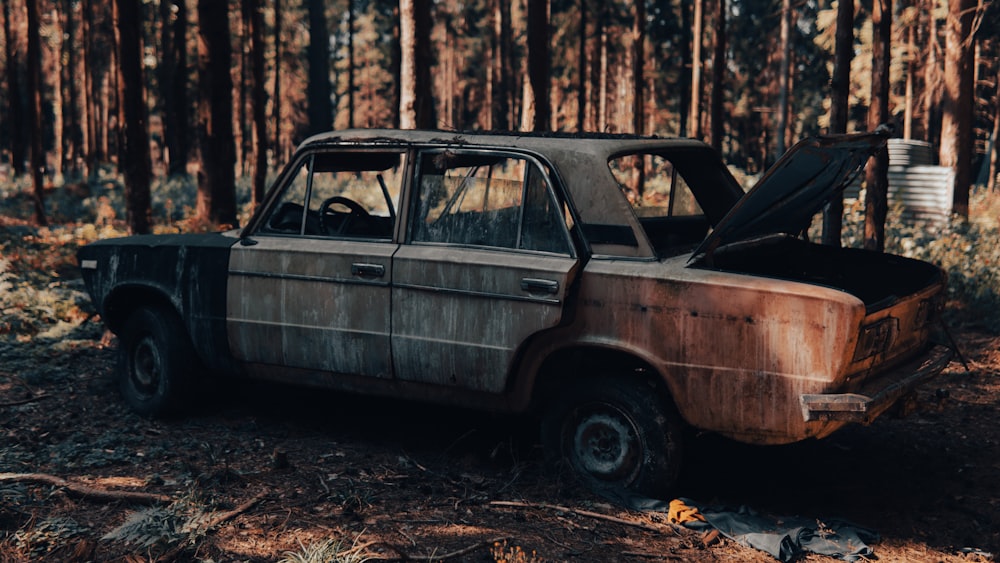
(319, 92)
(350, 63)
(258, 100)
(416, 103)
(582, 65)
(877, 176)
(783, 76)
(833, 214)
(276, 89)
(718, 77)
(15, 115)
(538, 64)
(174, 83)
(694, 115)
(956, 119)
(638, 65)
(72, 128)
(135, 159)
(35, 110)
(216, 202)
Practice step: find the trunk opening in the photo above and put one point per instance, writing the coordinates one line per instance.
(878, 279)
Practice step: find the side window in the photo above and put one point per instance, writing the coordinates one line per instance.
(489, 200)
(654, 187)
(341, 194)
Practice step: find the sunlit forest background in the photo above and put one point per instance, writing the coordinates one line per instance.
(135, 116)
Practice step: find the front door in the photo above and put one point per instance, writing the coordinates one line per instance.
(488, 263)
(310, 288)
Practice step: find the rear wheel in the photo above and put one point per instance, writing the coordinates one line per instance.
(157, 361)
(617, 434)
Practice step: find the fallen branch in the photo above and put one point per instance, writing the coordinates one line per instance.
(433, 557)
(223, 517)
(85, 492)
(25, 401)
(587, 513)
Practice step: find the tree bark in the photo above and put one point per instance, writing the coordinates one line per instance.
(416, 103)
(318, 90)
(538, 63)
(638, 66)
(216, 179)
(173, 81)
(276, 96)
(956, 119)
(72, 132)
(35, 111)
(135, 152)
(15, 114)
(684, 83)
(877, 177)
(257, 48)
(994, 155)
(694, 114)
(833, 213)
(784, 68)
(932, 78)
(582, 65)
(718, 77)
(350, 63)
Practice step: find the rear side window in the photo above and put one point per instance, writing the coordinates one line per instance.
(653, 186)
(487, 200)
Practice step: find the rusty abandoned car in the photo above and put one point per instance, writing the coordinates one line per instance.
(621, 288)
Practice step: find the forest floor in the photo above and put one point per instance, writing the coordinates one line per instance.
(258, 472)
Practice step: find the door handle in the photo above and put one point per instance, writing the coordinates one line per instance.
(367, 270)
(536, 285)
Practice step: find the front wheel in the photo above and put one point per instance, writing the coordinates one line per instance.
(156, 363)
(620, 436)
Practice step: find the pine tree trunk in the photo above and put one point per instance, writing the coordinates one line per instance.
(279, 148)
(638, 64)
(216, 179)
(877, 177)
(684, 83)
(135, 163)
(416, 103)
(538, 62)
(784, 68)
(35, 111)
(350, 64)
(72, 133)
(718, 77)
(956, 119)
(257, 48)
(694, 115)
(583, 66)
(994, 155)
(15, 114)
(833, 213)
(932, 79)
(318, 89)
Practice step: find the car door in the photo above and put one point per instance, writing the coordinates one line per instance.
(488, 262)
(309, 288)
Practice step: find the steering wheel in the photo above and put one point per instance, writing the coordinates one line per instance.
(355, 208)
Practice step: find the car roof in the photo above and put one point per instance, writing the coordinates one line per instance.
(544, 142)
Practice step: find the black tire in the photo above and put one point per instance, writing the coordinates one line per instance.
(156, 363)
(620, 436)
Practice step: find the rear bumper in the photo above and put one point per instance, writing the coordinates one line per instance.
(878, 395)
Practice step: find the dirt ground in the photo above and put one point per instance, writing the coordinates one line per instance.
(259, 472)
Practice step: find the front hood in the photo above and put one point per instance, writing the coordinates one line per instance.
(803, 180)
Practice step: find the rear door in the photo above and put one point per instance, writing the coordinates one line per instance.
(488, 262)
(310, 289)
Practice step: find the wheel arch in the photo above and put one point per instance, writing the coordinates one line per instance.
(125, 299)
(581, 361)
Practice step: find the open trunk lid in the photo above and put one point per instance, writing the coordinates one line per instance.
(802, 181)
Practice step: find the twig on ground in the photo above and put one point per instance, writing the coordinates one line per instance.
(25, 401)
(433, 557)
(222, 517)
(85, 491)
(587, 513)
